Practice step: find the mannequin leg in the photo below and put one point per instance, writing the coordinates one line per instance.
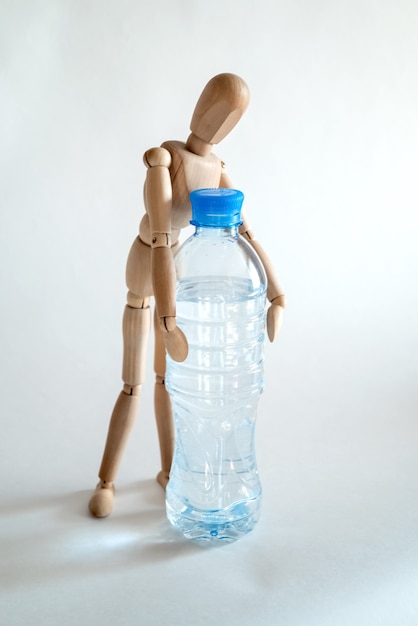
(162, 407)
(136, 327)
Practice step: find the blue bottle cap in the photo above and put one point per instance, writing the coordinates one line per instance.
(216, 208)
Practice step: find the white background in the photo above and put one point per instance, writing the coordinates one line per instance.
(327, 156)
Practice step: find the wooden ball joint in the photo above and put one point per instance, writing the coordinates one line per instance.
(173, 170)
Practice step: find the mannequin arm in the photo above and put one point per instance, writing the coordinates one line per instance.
(158, 202)
(275, 293)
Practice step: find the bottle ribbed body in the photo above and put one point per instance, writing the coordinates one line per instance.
(214, 491)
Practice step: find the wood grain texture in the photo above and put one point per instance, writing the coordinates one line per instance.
(136, 329)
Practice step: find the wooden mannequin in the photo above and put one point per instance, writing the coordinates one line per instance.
(173, 171)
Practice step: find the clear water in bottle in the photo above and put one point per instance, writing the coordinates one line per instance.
(214, 491)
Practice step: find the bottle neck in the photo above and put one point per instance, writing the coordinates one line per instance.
(217, 232)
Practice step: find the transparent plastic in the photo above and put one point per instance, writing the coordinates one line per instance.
(214, 491)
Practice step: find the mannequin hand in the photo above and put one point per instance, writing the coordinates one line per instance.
(174, 339)
(274, 320)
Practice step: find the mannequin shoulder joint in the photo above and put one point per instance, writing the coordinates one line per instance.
(157, 156)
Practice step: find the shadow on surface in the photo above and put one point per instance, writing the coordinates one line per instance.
(50, 537)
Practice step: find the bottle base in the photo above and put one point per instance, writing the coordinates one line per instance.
(215, 527)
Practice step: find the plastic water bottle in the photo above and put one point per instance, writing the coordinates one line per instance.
(214, 491)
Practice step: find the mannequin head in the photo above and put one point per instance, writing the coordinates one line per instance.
(221, 105)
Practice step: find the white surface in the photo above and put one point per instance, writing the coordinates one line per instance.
(327, 158)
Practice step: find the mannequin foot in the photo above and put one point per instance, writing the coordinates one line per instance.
(162, 478)
(101, 502)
